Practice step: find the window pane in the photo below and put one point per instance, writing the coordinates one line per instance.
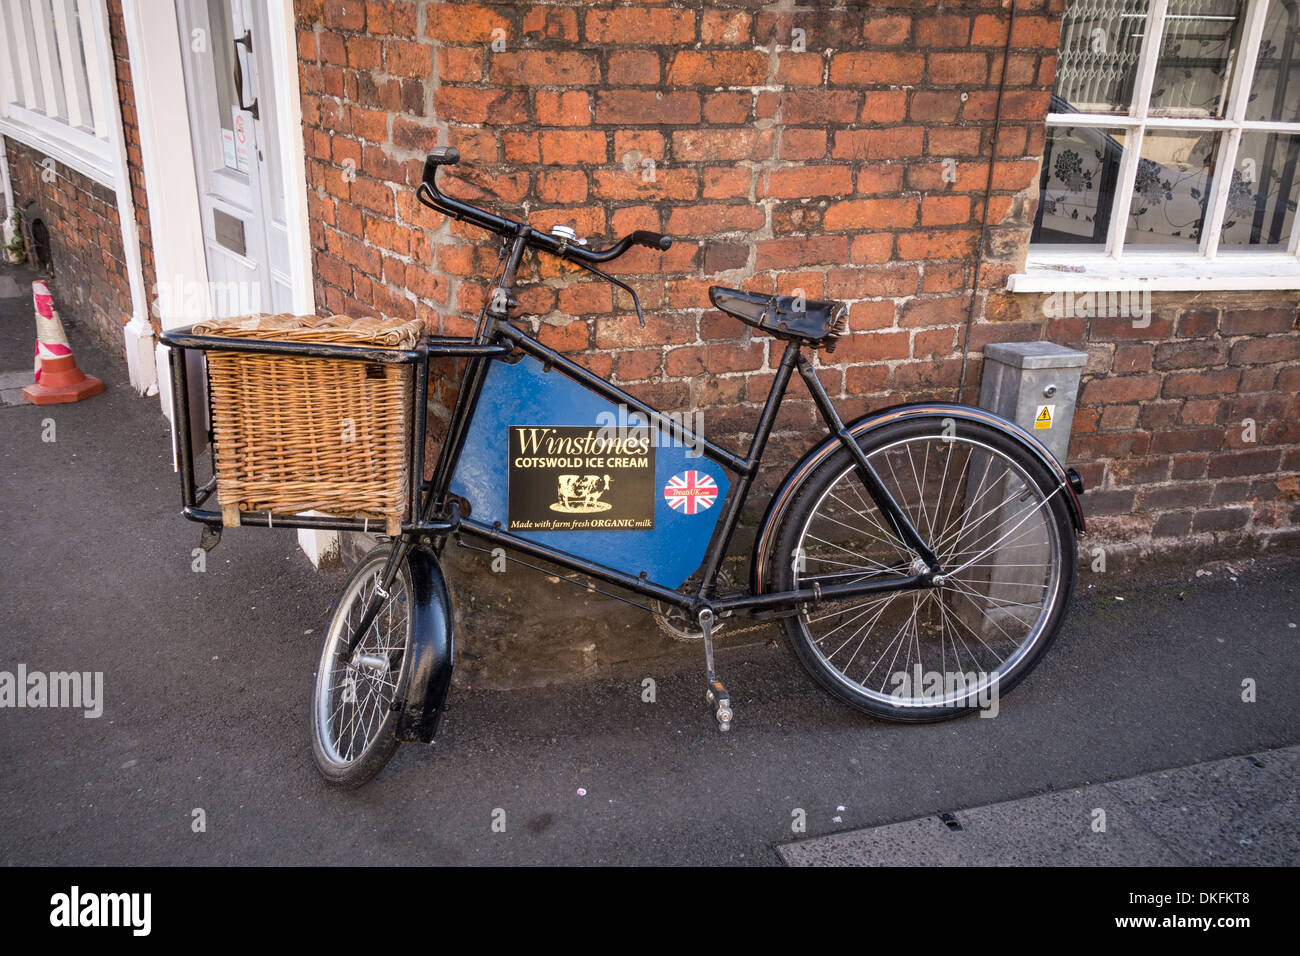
(1197, 53)
(1100, 44)
(1171, 190)
(1264, 190)
(222, 41)
(1077, 191)
(1275, 93)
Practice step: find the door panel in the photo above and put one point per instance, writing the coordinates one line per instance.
(233, 128)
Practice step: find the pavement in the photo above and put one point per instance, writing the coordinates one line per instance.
(202, 751)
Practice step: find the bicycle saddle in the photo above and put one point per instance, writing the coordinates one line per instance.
(819, 322)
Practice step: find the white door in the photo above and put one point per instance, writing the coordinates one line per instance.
(233, 126)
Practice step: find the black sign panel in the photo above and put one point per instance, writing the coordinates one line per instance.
(565, 478)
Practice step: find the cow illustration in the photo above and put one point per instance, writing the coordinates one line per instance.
(582, 492)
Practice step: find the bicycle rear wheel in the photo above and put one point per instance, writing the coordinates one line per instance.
(353, 720)
(994, 516)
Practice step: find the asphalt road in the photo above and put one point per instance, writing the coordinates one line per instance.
(207, 679)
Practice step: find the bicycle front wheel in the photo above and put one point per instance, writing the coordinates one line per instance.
(994, 516)
(353, 717)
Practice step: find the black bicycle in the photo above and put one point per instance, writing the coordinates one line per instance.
(919, 559)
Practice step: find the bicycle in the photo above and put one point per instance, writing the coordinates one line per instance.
(919, 559)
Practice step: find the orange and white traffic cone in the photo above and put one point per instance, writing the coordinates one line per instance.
(57, 377)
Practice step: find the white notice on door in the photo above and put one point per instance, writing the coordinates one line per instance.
(228, 149)
(243, 138)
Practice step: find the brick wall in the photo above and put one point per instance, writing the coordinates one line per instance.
(847, 151)
(90, 284)
(131, 137)
(1188, 430)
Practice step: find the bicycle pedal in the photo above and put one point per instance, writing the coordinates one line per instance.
(717, 696)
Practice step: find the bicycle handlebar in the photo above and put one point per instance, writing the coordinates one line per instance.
(450, 156)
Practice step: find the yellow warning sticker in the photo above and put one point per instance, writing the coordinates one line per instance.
(1043, 417)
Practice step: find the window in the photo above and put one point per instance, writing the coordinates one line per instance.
(1172, 144)
(54, 75)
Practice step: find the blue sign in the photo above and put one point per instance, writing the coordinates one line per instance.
(554, 462)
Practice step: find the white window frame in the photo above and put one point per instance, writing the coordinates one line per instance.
(62, 113)
(1049, 269)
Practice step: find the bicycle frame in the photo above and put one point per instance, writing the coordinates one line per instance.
(431, 514)
(494, 330)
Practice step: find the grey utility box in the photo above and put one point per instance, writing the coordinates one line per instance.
(1035, 385)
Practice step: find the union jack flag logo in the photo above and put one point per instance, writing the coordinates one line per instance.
(691, 492)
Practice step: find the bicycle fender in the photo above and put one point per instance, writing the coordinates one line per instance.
(429, 661)
(797, 475)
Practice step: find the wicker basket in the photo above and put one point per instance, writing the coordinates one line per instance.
(295, 434)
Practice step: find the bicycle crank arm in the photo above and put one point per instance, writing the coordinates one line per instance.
(717, 694)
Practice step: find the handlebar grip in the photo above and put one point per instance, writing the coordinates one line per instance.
(654, 240)
(442, 156)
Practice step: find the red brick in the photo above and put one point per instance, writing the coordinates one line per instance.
(633, 68)
(1201, 383)
(962, 69)
(725, 27)
(534, 67)
(876, 69)
(572, 147)
(806, 181)
(402, 58)
(636, 25)
(886, 30)
(819, 107)
(462, 104)
(945, 210)
(562, 186)
(873, 214)
(1257, 321)
(717, 68)
(642, 107)
(799, 69)
(703, 219)
(943, 30)
(566, 108)
(937, 244)
(1036, 32)
(464, 23)
(345, 15)
(1120, 388)
(801, 144)
(784, 253)
(551, 23)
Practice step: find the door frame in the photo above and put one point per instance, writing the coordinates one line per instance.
(171, 186)
(167, 152)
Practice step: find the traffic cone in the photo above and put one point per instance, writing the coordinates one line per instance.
(57, 377)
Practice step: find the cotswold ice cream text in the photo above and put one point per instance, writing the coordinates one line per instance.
(80, 690)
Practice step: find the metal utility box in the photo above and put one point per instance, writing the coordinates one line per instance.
(1035, 385)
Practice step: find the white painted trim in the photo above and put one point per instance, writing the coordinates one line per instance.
(1094, 272)
(166, 151)
(1241, 79)
(1102, 270)
(283, 45)
(137, 334)
(319, 546)
(6, 187)
(73, 148)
